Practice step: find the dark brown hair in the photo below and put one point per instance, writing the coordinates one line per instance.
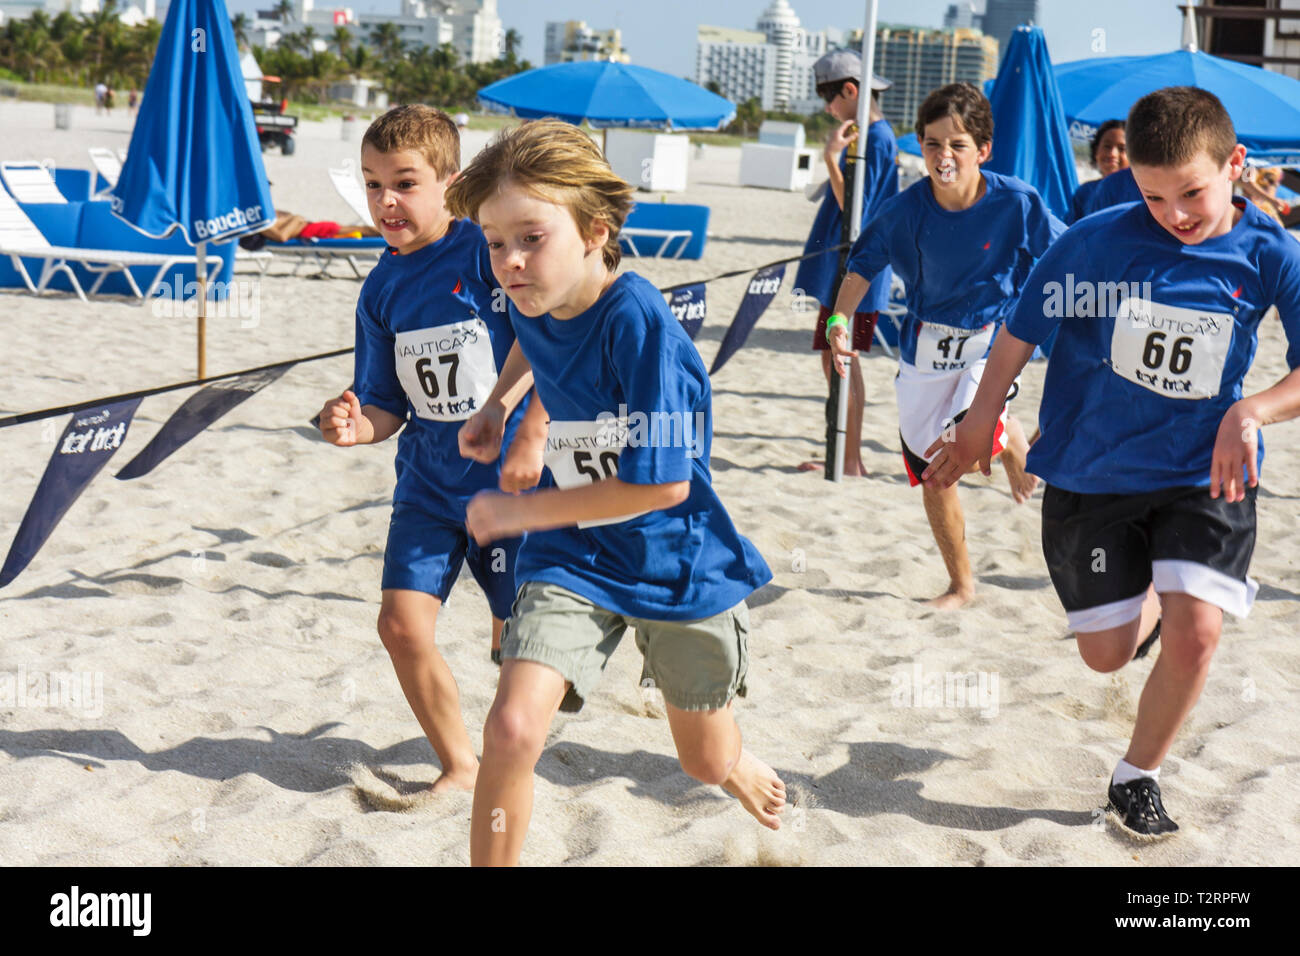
(1172, 126)
(964, 103)
(423, 129)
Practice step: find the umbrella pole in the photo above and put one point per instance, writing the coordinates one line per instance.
(202, 268)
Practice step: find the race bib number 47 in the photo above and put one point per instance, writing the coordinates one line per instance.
(583, 453)
(946, 348)
(447, 372)
(1175, 352)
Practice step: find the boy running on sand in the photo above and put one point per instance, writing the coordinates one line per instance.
(628, 531)
(1149, 449)
(428, 348)
(963, 241)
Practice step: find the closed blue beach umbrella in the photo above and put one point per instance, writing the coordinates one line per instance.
(1031, 139)
(194, 162)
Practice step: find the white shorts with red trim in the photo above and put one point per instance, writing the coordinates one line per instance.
(929, 402)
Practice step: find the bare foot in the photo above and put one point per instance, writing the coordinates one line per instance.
(856, 470)
(461, 780)
(952, 599)
(758, 788)
(1013, 460)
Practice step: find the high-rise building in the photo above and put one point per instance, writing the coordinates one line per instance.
(1001, 17)
(573, 40)
(772, 63)
(471, 26)
(963, 15)
(918, 60)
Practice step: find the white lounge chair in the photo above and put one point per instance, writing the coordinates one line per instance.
(106, 163)
(31, 182)
(351, 192)
(20, 239)
(666, 237)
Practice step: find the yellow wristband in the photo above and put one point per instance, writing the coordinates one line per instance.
(834, 320)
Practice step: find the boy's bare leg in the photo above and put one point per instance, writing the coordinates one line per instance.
(710, 750)
(1111, 649)
(407, 624)
(528, 696)
(1013, 460)
(1190, 633)
(948, 524)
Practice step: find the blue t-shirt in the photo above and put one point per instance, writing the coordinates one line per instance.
(816, 276)
(1081, 201)
(1117, 188)
(429, 346)
(628, 395)
(1145, 367)
(962, 269)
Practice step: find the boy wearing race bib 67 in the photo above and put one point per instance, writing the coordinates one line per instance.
(963, 241)
(429, 343)
(1149, 448)
(626, 530)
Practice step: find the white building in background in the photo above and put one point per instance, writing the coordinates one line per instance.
(570, 41)
(772, 63)
(130, 12)
(471, 26)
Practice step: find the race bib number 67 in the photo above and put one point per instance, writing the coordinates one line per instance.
(1172, 351)
(447, 372)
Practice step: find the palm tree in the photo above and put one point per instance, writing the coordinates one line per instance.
(240, 24)
(283, 10)
(386, 38)
(513, 42)
(342, 40)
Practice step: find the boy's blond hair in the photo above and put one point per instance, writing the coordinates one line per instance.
(557, 163)
(422, 129)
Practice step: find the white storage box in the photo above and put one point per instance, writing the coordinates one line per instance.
(652, 161)
(776, 167)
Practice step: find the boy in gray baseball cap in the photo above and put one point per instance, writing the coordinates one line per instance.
(838, 75)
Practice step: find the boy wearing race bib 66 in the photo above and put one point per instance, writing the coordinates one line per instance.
(626, 530)
(1149, 448)
(963, 240)
(429, 343)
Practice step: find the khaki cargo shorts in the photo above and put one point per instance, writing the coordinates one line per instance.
(698, 665)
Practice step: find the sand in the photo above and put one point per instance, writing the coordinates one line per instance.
(249, 715)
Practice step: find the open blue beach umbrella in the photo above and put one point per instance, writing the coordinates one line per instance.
(609, 94)
(1030, 137)
(909, 143)
(194, 162)
(1264, 106)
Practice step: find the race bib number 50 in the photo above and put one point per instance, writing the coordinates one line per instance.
(583, 453)
(447, 372)
(1175, 352)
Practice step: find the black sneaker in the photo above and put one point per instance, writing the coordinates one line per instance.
(1138, 805)
(496, 656)
(1149, 642)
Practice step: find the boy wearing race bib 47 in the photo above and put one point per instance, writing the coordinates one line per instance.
(430, 339)
(626, 530)
(963, 241)
(1149, 449)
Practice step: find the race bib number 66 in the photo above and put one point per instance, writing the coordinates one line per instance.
(1175, 352)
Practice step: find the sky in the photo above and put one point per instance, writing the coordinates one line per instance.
(661, 33)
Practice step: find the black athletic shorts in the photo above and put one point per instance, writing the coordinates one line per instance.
(1103, 551)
